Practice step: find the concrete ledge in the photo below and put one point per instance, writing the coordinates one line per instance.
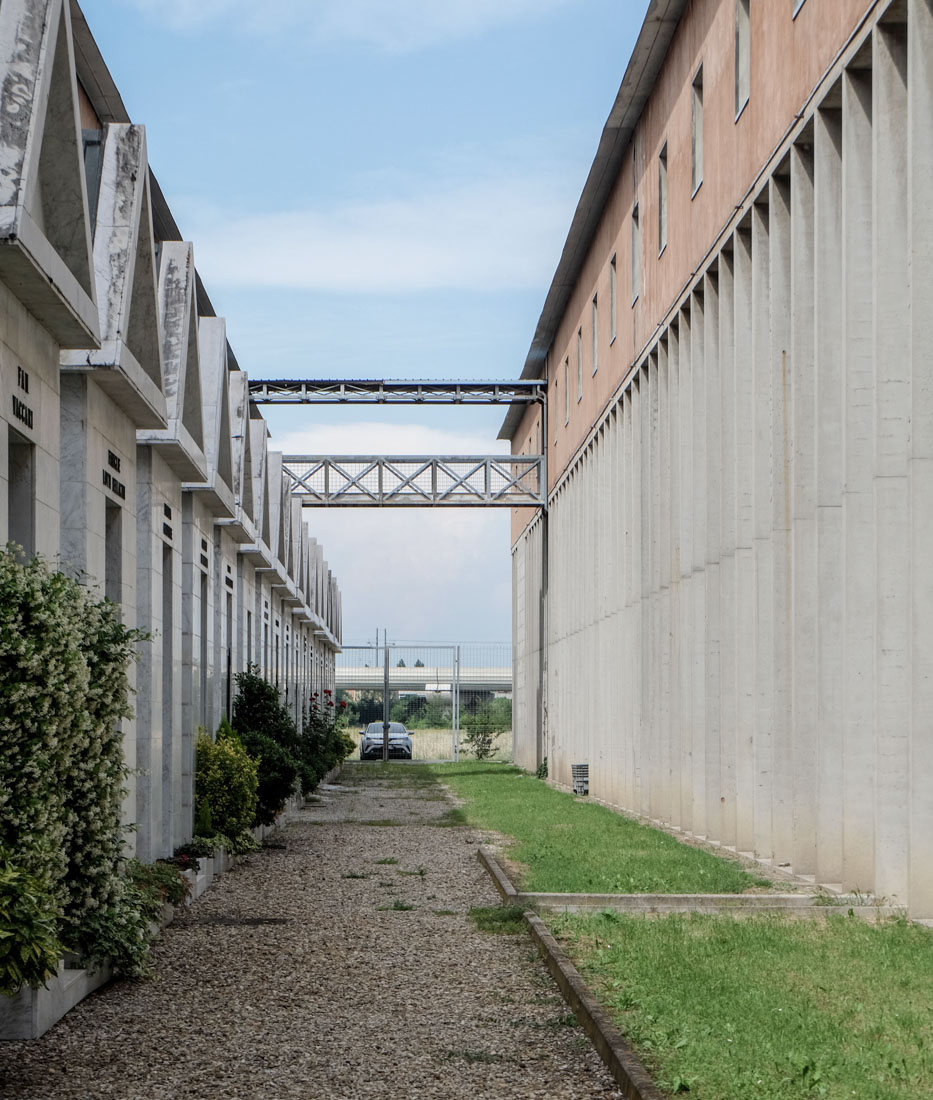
(621, 1060)
(31, 1012)
(810, 906)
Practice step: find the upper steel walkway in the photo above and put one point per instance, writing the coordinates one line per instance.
(296, 976)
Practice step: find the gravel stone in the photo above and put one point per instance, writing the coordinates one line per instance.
(303, 973)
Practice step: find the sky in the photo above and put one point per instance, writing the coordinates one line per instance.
(378, 189)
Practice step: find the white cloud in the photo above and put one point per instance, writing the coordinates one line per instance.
(401, 26)
(487, 235)
(428, 574)
(372, 438)
(424, 573)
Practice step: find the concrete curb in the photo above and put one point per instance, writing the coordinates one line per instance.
(620, 1058)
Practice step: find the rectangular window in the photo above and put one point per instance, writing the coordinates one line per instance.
(113, 552)
(662, 199)
(742, 54)
(613, 300)
(205, 713)
(696, 130)
(636, 255)
(595, 334)
(168, 683)
(580, 363)
(567, 390)
(21, 497)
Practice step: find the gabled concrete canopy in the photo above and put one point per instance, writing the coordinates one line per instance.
(128, 363)
(276, 490)
(181, 444)
(242, 450)
(215, 411)
(294, 552)
(259, 441)
(45, 231)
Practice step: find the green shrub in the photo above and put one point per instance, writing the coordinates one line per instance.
(43, 682)
(160, 883)
(63, 689)
(225, 784)
(277, 773)
(257, 708)
(29, 946)
(118, 932)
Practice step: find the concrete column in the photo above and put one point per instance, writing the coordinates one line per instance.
(892, 447)
(713, 598)
(696, 592)
(746, 596)
(805, 730)
(664, 574)
(676, 700)
(630, 709)
(727, 650)
(782, 480)
(653, 670)
(860, 608)
(638, 717)
(762, 525)
(685, 588)
(830, 482)
(920, 210)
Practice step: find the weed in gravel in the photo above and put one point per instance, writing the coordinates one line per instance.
(387, 860)
(504, 920)
(450, 820)
(380, 822)
(355, 874)
(398, 905)
(421, 872)
(445, 912)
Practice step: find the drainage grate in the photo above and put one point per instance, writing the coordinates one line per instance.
(581, 778)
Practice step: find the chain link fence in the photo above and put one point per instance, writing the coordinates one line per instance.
(455, 699)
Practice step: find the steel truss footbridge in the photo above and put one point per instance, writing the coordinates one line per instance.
(509, 481)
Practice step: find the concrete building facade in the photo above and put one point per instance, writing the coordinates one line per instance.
(130, 454)
(726, 609)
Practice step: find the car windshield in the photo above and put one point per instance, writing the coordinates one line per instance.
(396, 729)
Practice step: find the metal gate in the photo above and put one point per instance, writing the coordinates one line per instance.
(417, 685)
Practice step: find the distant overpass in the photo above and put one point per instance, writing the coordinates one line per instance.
(426, 678)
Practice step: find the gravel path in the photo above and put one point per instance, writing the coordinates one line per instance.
(300, 974)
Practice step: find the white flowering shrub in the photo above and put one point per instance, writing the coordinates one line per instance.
(44, 679)
(63, 690)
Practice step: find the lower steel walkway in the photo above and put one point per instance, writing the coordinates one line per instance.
(303, 973)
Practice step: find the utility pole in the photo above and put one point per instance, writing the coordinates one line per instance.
(385, 696)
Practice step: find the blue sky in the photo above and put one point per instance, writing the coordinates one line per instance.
(378, 188)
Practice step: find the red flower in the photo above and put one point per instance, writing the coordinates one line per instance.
(343, 702)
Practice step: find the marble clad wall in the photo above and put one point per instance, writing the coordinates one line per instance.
(129, 491)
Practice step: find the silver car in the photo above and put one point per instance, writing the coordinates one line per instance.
(371, 742)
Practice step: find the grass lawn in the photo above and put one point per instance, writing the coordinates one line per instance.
(569, 845)
(766, 1007)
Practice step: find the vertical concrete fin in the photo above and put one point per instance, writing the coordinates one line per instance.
(55, 193)
(215, 399)
(180, 353)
